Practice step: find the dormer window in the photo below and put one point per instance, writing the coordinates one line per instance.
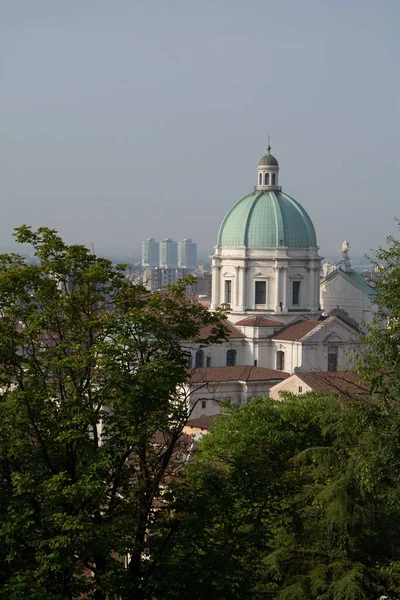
(266, 179)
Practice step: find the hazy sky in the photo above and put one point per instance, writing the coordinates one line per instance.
(122, 119)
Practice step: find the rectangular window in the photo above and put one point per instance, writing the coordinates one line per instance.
(228, 291)
(296, 293)
(261, 292)
(300, 389)
(332, 361)
(208, 361)
(280, 360)
(203, 403)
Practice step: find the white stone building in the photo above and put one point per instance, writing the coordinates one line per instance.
(266, 259)
(266, 275)
(347, 293)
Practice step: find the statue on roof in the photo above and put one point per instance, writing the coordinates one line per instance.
(344, 262)
(345, 246)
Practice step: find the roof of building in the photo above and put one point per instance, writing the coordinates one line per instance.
(267, 219)
(268, 161)
(295, 332)
(230, 331)
(258, 321)
(203, 422)
(356, 279)
(238, 373)
(337, 381)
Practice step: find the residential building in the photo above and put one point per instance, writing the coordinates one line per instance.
(155, 279)
(168, 254)
(150, 253)
(187, 254)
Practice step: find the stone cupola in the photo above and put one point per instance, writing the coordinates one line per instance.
(268, 173)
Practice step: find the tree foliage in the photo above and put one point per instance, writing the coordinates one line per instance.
(380, 366)
(91, 415)
(290, 500)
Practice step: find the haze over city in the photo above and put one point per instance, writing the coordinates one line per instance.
(129, 119)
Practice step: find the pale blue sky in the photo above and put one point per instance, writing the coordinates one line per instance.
(125, 119)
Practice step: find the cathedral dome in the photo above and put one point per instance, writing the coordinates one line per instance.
(267, 219)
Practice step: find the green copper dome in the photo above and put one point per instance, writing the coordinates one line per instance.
(267, 219)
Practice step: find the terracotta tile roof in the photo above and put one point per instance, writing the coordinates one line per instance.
(295, 332)
(338, 381)
(203, 422)
(258, 321)
(231, 331)
(239, 373)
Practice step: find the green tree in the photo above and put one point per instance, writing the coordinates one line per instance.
(91, 416)
(290, 500)
(380, 365)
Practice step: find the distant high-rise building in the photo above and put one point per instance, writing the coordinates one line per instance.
(150, 253)
(187, 254)
(168, 254)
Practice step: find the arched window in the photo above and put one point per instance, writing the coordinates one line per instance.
(266, 179)
(273, 178)
(231, 358)
(199, 361)
(260, 179)
(280, 360)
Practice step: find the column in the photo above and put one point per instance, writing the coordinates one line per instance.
(285, 289)
(215, 287)
(317, 288)
(242, 288)
(235, 294)
(311, 299)
(277, 289)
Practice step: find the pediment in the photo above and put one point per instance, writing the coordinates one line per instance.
(296, 276)
(334, 331)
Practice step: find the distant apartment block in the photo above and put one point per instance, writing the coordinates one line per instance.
(187, 254)
(155, 279)
(203, 284)
(150, 253)
(168, 254)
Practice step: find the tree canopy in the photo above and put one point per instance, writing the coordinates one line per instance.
(290, 500)
(299, 499)
(91, 417)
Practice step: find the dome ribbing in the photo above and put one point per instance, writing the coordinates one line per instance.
(268, 161)
(267, 219)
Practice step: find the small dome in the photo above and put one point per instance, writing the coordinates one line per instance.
(268, 161)
(267, 219)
